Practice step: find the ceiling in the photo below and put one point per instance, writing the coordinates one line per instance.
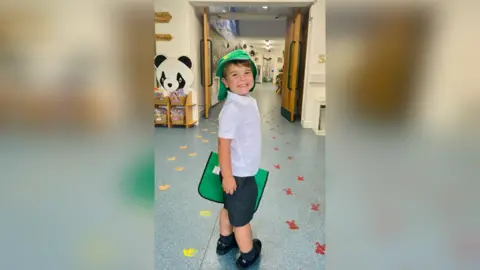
(250, 12)
(262, 29)
(256, 22)
(248, 3)
(259, 44)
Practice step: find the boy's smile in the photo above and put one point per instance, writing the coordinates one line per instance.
(239, 79)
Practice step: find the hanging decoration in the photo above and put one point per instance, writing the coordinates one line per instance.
(228, 29)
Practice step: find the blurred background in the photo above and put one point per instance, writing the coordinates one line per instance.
(402, 148)
(76, 145)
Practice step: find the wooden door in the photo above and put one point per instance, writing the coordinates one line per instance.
(206, 64)
(291, 66)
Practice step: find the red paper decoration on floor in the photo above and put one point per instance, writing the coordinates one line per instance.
(292, 225)
(320, 248)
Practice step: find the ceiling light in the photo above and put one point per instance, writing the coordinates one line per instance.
(265, 7)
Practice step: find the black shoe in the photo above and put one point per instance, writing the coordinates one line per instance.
(223, 248)
(242, 263)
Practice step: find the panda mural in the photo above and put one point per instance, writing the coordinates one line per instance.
(174, 75)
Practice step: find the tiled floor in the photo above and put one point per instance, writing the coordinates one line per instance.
(186, 238)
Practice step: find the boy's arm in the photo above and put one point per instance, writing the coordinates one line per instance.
(224, 157)
(227, 127)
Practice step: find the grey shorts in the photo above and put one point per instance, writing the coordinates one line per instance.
(241, 204)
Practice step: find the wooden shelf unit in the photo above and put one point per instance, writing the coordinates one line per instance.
(186, 103)
(157, 104)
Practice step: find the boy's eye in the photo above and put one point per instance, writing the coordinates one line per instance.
(248, 72)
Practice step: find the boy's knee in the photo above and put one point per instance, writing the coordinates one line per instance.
(243, 226)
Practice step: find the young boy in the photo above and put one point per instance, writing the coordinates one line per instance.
(239, 148)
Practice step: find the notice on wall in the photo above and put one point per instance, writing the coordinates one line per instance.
(163, 37)
(162, 17)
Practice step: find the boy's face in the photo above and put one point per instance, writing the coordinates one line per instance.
(238, 78)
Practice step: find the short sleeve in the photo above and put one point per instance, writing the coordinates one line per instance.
(227, 122)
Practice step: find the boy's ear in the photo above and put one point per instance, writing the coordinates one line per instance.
(225, 82)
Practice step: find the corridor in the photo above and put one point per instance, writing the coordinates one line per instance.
(290, 218)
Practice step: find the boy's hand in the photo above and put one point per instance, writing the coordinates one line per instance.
(229, 185)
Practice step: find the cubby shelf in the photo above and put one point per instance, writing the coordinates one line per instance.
(171, 104)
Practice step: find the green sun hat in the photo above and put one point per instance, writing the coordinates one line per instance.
(234, 55)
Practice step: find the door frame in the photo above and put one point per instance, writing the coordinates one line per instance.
(293, 45)
(206, 65)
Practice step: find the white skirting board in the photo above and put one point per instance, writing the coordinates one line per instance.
(308, 124)
(320, 132)
(316, 78)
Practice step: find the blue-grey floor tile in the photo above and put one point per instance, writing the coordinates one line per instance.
(179, 224)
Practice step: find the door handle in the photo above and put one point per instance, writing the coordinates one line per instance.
(202, 70)
(289, 76)
(211, 62)
(298, 65)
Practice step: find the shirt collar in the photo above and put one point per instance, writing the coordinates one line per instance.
(236, 97)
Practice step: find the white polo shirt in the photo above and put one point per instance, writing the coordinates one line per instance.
(239, 120)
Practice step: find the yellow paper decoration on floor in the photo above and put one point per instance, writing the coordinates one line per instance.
(205, 213)
(190, 252)
(165, 187)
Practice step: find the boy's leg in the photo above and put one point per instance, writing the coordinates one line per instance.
(227, 239)
(243, 235)
(226, 228)
(241, 207)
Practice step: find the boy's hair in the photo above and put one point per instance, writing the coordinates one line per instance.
(245, 63)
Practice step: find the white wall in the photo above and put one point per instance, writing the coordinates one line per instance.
(187, 30)
(180, 44)
(315, 47)
(195, 32)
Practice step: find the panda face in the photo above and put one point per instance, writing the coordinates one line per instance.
(174, 74)
(172, 84)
